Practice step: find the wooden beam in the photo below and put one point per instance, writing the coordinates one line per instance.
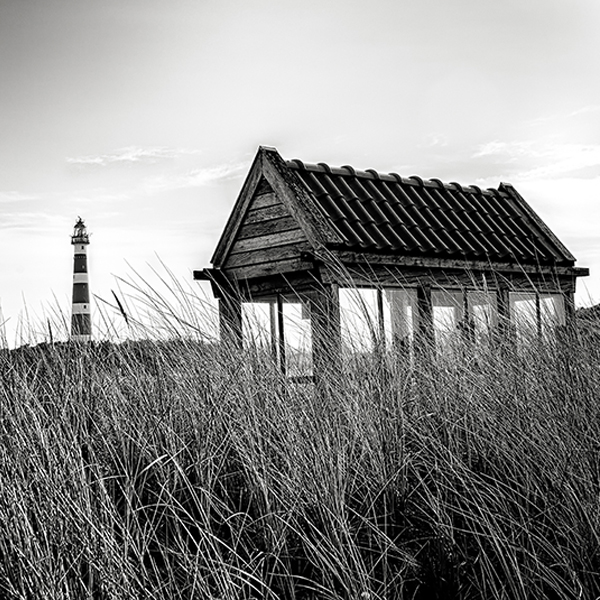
(256, 290)
(503, 307)
(281, 335)
(380, 321)
(274, 333)
(425, 337)
(346, 258)
(230, 322)
(538, 315)
(400, 300)
(220, 283)
(569, 302)
(261, 271)
(326, 334)
(399, 276)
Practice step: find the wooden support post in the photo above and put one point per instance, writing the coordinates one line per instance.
(274, 332)
(230, 321)
(506, 334)
(569, 305)
(380, 323)
(425, 338)
(503, 303)
(326, 335)
(466, 324)
(281, 336)
(538, 316)
(403, 331)
(567, 334)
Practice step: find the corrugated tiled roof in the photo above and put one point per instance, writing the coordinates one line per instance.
(375, 212)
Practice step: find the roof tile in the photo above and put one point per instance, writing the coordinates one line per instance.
(385, 212)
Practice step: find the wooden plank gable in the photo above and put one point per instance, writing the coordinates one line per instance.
(268, 240)
(276, 210)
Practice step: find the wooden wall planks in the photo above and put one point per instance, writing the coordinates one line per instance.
(267, 227)
(268, 239)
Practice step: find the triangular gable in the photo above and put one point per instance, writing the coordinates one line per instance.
(269, 239)
(273, 210)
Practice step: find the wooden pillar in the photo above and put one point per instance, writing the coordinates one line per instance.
(230, 321)
(274, 332)
(568, 333)
(538, 316)
(505, 338)
(569, 302)
(402, 330)
(503, 304)
(281, 336)
(381, 346)
(425, 338)
(326, 334)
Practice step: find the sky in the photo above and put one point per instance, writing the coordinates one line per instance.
(143, 117)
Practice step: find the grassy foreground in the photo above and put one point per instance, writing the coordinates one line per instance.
(176, 470)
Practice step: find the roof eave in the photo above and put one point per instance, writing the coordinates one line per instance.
(510, 189)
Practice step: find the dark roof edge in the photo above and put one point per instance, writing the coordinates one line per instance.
(310, 215)
(508, 187)
(372, 174)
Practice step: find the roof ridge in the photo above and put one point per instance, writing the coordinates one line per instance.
(372, 174)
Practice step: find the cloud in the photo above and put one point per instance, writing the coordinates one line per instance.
(434, 140)
(196, 177)
(584, 110)
(31, 221)
(14, 196)
(511, 151)
(97, 196)
(131, 155)
(532, 160)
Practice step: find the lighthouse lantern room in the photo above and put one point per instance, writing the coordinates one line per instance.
(81, 322)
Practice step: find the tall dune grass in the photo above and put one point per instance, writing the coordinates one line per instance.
(177, 468)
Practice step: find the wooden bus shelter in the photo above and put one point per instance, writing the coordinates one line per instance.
(299, 232)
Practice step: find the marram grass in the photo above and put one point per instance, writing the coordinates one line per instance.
(176, 469)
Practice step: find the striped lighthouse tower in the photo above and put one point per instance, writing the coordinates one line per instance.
(81, 322)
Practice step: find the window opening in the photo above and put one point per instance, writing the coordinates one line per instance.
(524, 316)
(296, 341)
(552, 313)
(359, 319)
(256, 325)
(281, 329)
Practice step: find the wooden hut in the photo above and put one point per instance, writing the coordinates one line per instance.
(299, 232)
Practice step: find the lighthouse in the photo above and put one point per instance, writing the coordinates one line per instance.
(81, 322)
